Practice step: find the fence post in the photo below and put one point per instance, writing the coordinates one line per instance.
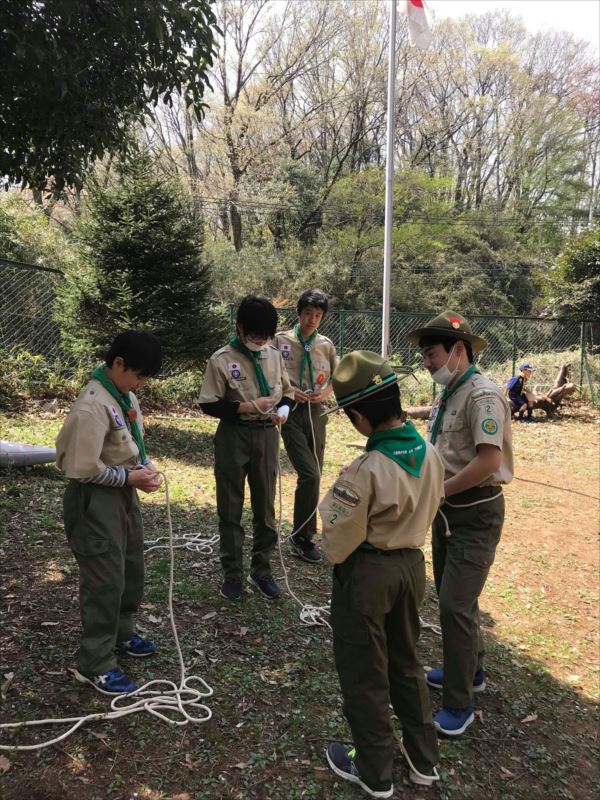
(582, 345)
(342, 314)
(514, 352)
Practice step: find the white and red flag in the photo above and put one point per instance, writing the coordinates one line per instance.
(419, 29)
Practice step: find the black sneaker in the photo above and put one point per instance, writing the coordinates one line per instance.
(340, 758)
(305, 549)
(266, 585)
(231, 589)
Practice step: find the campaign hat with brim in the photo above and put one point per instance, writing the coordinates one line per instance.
(451, 325)
(359, 375)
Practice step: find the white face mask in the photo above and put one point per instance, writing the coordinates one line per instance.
(255, 348)
(443, 375)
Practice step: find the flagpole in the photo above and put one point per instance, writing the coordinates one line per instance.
(389, 186)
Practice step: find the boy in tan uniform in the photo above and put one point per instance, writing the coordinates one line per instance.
(310, 359)
(100, 448)
(375, 520)
(246, 387)
(470, 429)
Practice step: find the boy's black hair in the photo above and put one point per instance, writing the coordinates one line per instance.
(140, 350)
(313, 297)
(447, 343)
(384, 406)
(257, 316)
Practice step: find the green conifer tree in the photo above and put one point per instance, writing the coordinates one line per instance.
(142, 266)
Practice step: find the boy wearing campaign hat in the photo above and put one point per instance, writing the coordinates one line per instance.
(522, 401)
(375, 520)
(469, 427)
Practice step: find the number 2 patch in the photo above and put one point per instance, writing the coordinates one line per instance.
(489, 426)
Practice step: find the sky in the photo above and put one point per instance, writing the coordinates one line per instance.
(580, 17)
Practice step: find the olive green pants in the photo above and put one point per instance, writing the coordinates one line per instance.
(105, 532)
(461, 563)
(246, 452)
(375, 619)
(298, 440)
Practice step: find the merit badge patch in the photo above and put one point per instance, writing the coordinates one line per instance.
(235, 370)
(320, 378)
(346, 496)
(115, 415)
(490, 426)
(285, 350)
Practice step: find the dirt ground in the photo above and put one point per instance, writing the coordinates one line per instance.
(276, 699)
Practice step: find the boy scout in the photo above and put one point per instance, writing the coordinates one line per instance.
(244, 383)
(375, 520)
(101, 450)
(310, 360)
(470, 428)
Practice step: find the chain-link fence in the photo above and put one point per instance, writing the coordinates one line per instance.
(549, 343)
(27, 296)
(28, 293)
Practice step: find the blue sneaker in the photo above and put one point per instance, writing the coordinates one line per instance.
(453, 721)
(112, 682)
(266, 585)
(435, 679)
(340, 758)
(137, 646)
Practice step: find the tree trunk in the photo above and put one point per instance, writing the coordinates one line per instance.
(235, 221)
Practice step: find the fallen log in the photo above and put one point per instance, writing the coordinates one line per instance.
(418, 412)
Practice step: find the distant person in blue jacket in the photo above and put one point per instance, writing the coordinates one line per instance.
(522, 401)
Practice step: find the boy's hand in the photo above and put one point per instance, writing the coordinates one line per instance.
(265, 404)
(146, 480)
(301, 397)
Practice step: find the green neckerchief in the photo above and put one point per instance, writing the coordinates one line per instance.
(263, 385)
(306, 359)
(446, 395)
(124, 400)
(404, 445)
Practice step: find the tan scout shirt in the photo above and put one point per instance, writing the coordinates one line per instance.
(322, 354)
(377, 501)
(230, 375)
(95, 435)
(477, 413)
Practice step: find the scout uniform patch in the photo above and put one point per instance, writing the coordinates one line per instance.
(346, 496)
(115, 415)
(489, 426)
(234, 368)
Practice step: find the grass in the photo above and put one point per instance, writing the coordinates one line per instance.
(276, 700)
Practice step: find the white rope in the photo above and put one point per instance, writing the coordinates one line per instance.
(175, 699)
(194, 542)
(310, 615)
